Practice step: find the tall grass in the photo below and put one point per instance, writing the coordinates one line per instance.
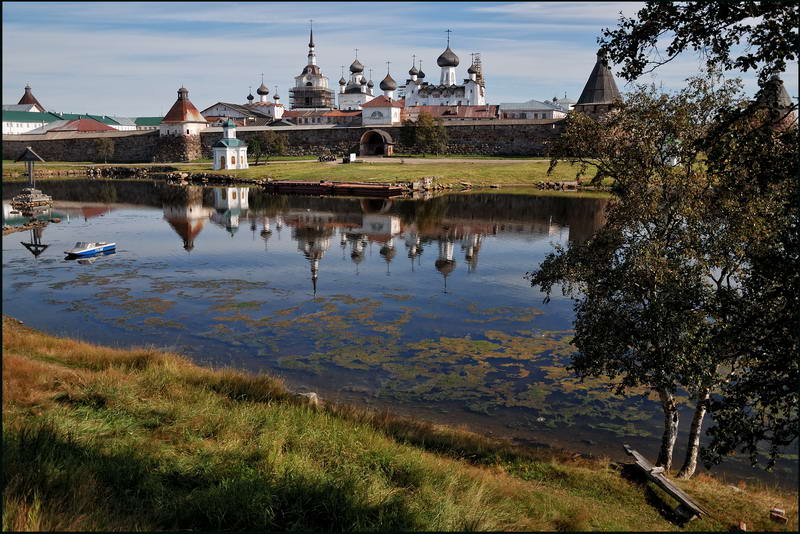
(104, 439)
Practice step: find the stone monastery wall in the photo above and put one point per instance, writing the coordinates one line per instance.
(138, 147)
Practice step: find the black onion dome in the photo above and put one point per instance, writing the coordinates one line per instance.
(262, 89)
(356, 67)
(421, 75)
(447, 59)
(413, 71)
(370, 84)
(250, 97)
(388, 84)
(472, 70)
(363, 81)
(342, 81)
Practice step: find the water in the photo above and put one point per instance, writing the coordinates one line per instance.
(416, 305)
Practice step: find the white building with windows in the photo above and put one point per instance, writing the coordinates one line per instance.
(532, 109)
(229, 152)
(381, 111)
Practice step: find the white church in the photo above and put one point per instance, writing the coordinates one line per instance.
(448, 92)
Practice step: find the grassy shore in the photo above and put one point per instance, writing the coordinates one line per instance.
(477, 172)
(103, 439)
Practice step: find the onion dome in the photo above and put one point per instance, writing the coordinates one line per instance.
(421, 75)
(447, 59)
(262, 89)
(342, 81)
(388, 84)
(370, 84)
(363, 81)
(413, 71)
(250, 97)
(356, 67)
(472, 69)
(276, 97)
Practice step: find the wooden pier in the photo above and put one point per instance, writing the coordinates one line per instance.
(335, 188)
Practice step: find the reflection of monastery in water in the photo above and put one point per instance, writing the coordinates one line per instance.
(456, 226)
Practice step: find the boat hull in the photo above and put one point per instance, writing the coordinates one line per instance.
(91, 252)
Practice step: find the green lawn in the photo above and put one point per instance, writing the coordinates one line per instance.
(515, 172)
(106, 439)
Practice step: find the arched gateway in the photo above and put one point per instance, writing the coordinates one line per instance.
(376, 143)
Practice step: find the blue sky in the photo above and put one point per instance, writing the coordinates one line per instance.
(130, 58)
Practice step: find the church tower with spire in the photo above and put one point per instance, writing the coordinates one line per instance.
(311, 90)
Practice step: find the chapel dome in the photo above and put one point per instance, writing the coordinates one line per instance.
(388, 84)
(262, 89)
(447, 59)
(356, 67)
(413, 71)
(342, 81)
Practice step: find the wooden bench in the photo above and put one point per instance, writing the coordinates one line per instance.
(688, 508)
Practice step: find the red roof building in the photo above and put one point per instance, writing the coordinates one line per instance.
(383, 101)
(28, 98)
(183, 118)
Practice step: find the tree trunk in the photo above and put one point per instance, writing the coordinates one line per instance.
(670, 429)
(690, 464)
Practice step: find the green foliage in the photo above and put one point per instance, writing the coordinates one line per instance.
(267, 144)
(254, 147)
(658, 290)
(752, 155)
(768, 31)
(426, 136)
(104, 147)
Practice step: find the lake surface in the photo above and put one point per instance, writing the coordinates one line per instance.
(420, 306)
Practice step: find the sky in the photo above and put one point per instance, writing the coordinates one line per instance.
(129, 59)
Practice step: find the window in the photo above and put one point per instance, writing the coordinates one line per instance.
(233, 195)
(233, 160)
(187, 131)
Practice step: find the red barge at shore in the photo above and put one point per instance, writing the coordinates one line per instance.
(335, 188)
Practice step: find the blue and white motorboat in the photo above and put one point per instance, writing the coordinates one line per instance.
(83, 249)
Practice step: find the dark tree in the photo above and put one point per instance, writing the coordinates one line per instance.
(267, 144)
(104, 147)
(254, 147)
(731, 35)
(709, 254)
(425, 136)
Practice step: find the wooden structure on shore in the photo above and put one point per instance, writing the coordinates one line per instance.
(688, 508)
(335, 188)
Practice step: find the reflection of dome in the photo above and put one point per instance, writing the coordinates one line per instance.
(445, 266)
(388, 252)
(447, 59)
